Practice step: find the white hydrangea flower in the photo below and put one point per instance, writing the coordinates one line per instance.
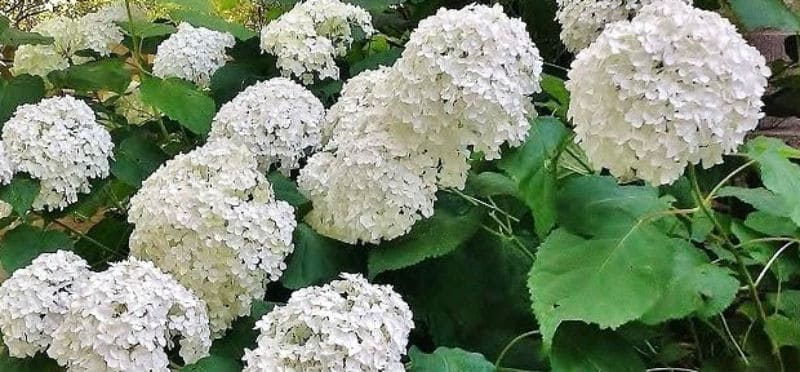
(673, 87)
(6, 168)
(35, 299)
(68, 34)
(5, 209)
(583, 20)
(210, 218)
(59, 142)
(347, 325)
(124, 318)
(306, 39)
(192, 54)
(38, 60)
(101, 32)
(278, 120)
(365, 195)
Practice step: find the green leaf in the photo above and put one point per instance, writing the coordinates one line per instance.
(759, 197)
(554, 86)
(759, 145)
(488, 184)
(762, 14)
(23, 244)
(214, 363)
(144, 29)
(13, 37)
(204, 6)
(696, 286)
(212, 22)
(581, 347)
(318, 259)
(770, 224)
(533, 167)
(181, 101)
(430, 238)
(286, 190)
(20, 193)
(783, 331)
(17, 91)
(782, 177)
(234, 77)
(787, 302)
(135, 159)
(372, 62)
(474, 299)
(242, 334)
(105, 74)
(113, 233)
(607, 281)
(598, 206)
(445, 359)
(375, 6)
(38, 363)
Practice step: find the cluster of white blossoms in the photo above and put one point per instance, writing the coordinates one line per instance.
(674, 86)
(278, 120)
(35, 299)
(124, 318)
(462, 85)
(192, 53)
(210, 218)
(347, 325)
(307, 38)
(59, 142)
(583, 20)
(6, 167)
(95, 31)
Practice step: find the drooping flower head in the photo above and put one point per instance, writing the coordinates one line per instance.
(307, 38)
(192, 54)
(675, 86)
(59, 142)
(278, 120)
(210, 218)
(35, 299)
(125, 318)
(346, 325)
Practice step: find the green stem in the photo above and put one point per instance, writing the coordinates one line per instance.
(84, 236)
(511, 344)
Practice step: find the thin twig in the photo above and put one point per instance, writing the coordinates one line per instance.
(511, 344)
(733, 339)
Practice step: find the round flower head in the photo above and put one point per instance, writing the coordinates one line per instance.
(69, 36)
(38, 60)
(365, 195)
(34, 301)
(124, 318)
(307, 38)
(59, 142)
(210, 218)
(674, 86)
(192, 54)
(278, 120)
(583, 20)
(101, 32)
(347, 325)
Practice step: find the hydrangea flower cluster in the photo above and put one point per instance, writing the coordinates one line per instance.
(674, 86)
(461, 85)
(582, 21)
(95, 31)
(192, 53)
(124, 318)
(347, 325)
(210, 218)
(278, 120)
(307, 38)
(35, 299)
(59, 142)
(6, 167)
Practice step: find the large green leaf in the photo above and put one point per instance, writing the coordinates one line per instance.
(13, 37)
(783, 331)
(607, 281)
(17, 91)
(581, 347)
(448, 360)
(533, 166)
(759, 197)
(473, 298)
(20, 193)
(199, 19)
(286, 190)
(233, 78)
(430, 238)
(181, 101)
(135, 159)
(780, 176)
(23, 244)
(105, 74)
(696, 286)
(318, 259)
(759, 14)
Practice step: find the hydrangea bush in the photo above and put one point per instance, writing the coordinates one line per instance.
(405, 185)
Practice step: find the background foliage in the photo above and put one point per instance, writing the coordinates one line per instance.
(540, 264)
